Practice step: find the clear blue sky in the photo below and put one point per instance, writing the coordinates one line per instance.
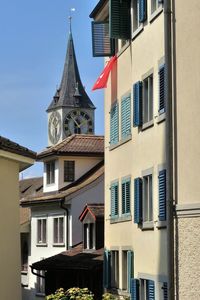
(33, 40)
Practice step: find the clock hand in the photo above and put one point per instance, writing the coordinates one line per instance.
(75, 122)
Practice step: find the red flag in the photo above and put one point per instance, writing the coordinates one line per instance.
(103, 78)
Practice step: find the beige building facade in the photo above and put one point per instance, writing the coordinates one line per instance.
(13, 159)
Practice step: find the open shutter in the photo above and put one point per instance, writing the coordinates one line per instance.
(137, 200)
(165, 293)
(162, 195)
(114, 199)
(129, 269)
(102, 44)
(142, 10)
(106, 269)
(126, 117)
(114, 125)
(137, 104)
(134, 289)
(120, 19)
(162, 89)
(151, 290)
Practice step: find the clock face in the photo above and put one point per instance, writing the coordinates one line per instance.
(54, 127)
(78, 121)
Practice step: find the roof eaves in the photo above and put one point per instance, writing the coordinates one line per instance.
(97, 8)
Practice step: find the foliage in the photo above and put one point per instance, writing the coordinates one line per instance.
(74, 293)
(108, 296)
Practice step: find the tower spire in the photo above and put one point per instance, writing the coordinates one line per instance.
(70, 24)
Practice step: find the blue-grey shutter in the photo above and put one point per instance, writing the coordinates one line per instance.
(128, 196)
(114, 199)
(114, 124)
(165, 293)
(137, 200)
(126, 117)
(151, 290)
(137, 103)
(120, 19)
(142, 10)
(129, 269)
(107, 269)
(123, 197)
(162, 89)
(102, 44)
(162, 195)
(134, 289)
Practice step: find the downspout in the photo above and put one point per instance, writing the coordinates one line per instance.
(169, 145)
(67, 223)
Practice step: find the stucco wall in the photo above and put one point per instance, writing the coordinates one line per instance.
(10, 283)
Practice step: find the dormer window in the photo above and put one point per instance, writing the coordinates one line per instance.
(89, 236)
(69, 171)
(50, 172)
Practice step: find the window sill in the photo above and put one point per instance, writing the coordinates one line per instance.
(155, 14)
(148, 226)
(161, 117)
(58, 244)
(41, 245)
(123, 218)
(161, 224)
(147, 125)
(123, 141)
(137, 31)
(24, 272)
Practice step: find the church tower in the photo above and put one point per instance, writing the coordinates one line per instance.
(71, 110)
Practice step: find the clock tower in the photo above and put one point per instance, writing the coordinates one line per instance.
(71, 110)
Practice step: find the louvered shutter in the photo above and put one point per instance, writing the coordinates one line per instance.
(142, 10)
(137, 104)
(137, 200)
(114, 125)
(129, 269)
(114, 199)
(123, 197)
(120, 19)
(162, 195)
(126, 117)
(102, 44)
(107, 269)
(151, 290)
(165, 292)
(128, 197)
(134, 289)
(162, 89)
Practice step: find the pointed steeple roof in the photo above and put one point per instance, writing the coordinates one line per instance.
(71, 92)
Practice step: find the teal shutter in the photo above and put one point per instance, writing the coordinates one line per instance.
(102, 45)
(151, 290)
(165, 292)
(162, 195)
(107, 269)
(120, 19)
(137, 200)
(137, 104)
(114, 200)
(114, 125)
(126, 196)
(123, 198)
(142, 10)
(126, 117)
(134, 289)
(162, 89)
(129, 269)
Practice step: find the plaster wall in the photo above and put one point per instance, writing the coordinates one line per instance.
(10, 283)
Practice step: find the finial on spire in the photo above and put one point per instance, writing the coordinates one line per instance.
(70, 19)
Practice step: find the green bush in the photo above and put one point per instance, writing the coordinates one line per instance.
(74, 293)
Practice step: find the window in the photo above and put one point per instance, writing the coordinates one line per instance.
(142, 289)
(41, 231)
(24, 257)
(40, 284)
(114, 124)
(139, 13)
(114, 200)
(126, 117)
(50, 171)
(155, 5)
(147, 199)
(69, 171)
(58, 230)
(89, 236)
(126, 196)
(127, 267)
(136, 22)
(147, 99)
(115, 269)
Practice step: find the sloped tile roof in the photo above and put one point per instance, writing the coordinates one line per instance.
(10, 146)
(77, 144)
(96, 209)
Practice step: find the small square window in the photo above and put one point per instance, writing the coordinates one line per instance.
(41, 231)
(58, 230)
(147, 199)
(50, 172)
(147, 99)
(69, 171)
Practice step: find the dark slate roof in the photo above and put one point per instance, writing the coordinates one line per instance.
(76, 144)
(9, 146)
(71, 84)
(74, 259)
(95, 209)
(97, 8)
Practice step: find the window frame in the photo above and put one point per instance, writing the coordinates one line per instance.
(50, 172)
(40, 283)
(42, 241)
(69, 171)
(89, 238)
(60, 240)
(157, 4)
(114, 269)
(147, 99)
(147, 207)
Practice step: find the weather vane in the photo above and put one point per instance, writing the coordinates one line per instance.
(70, 19)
